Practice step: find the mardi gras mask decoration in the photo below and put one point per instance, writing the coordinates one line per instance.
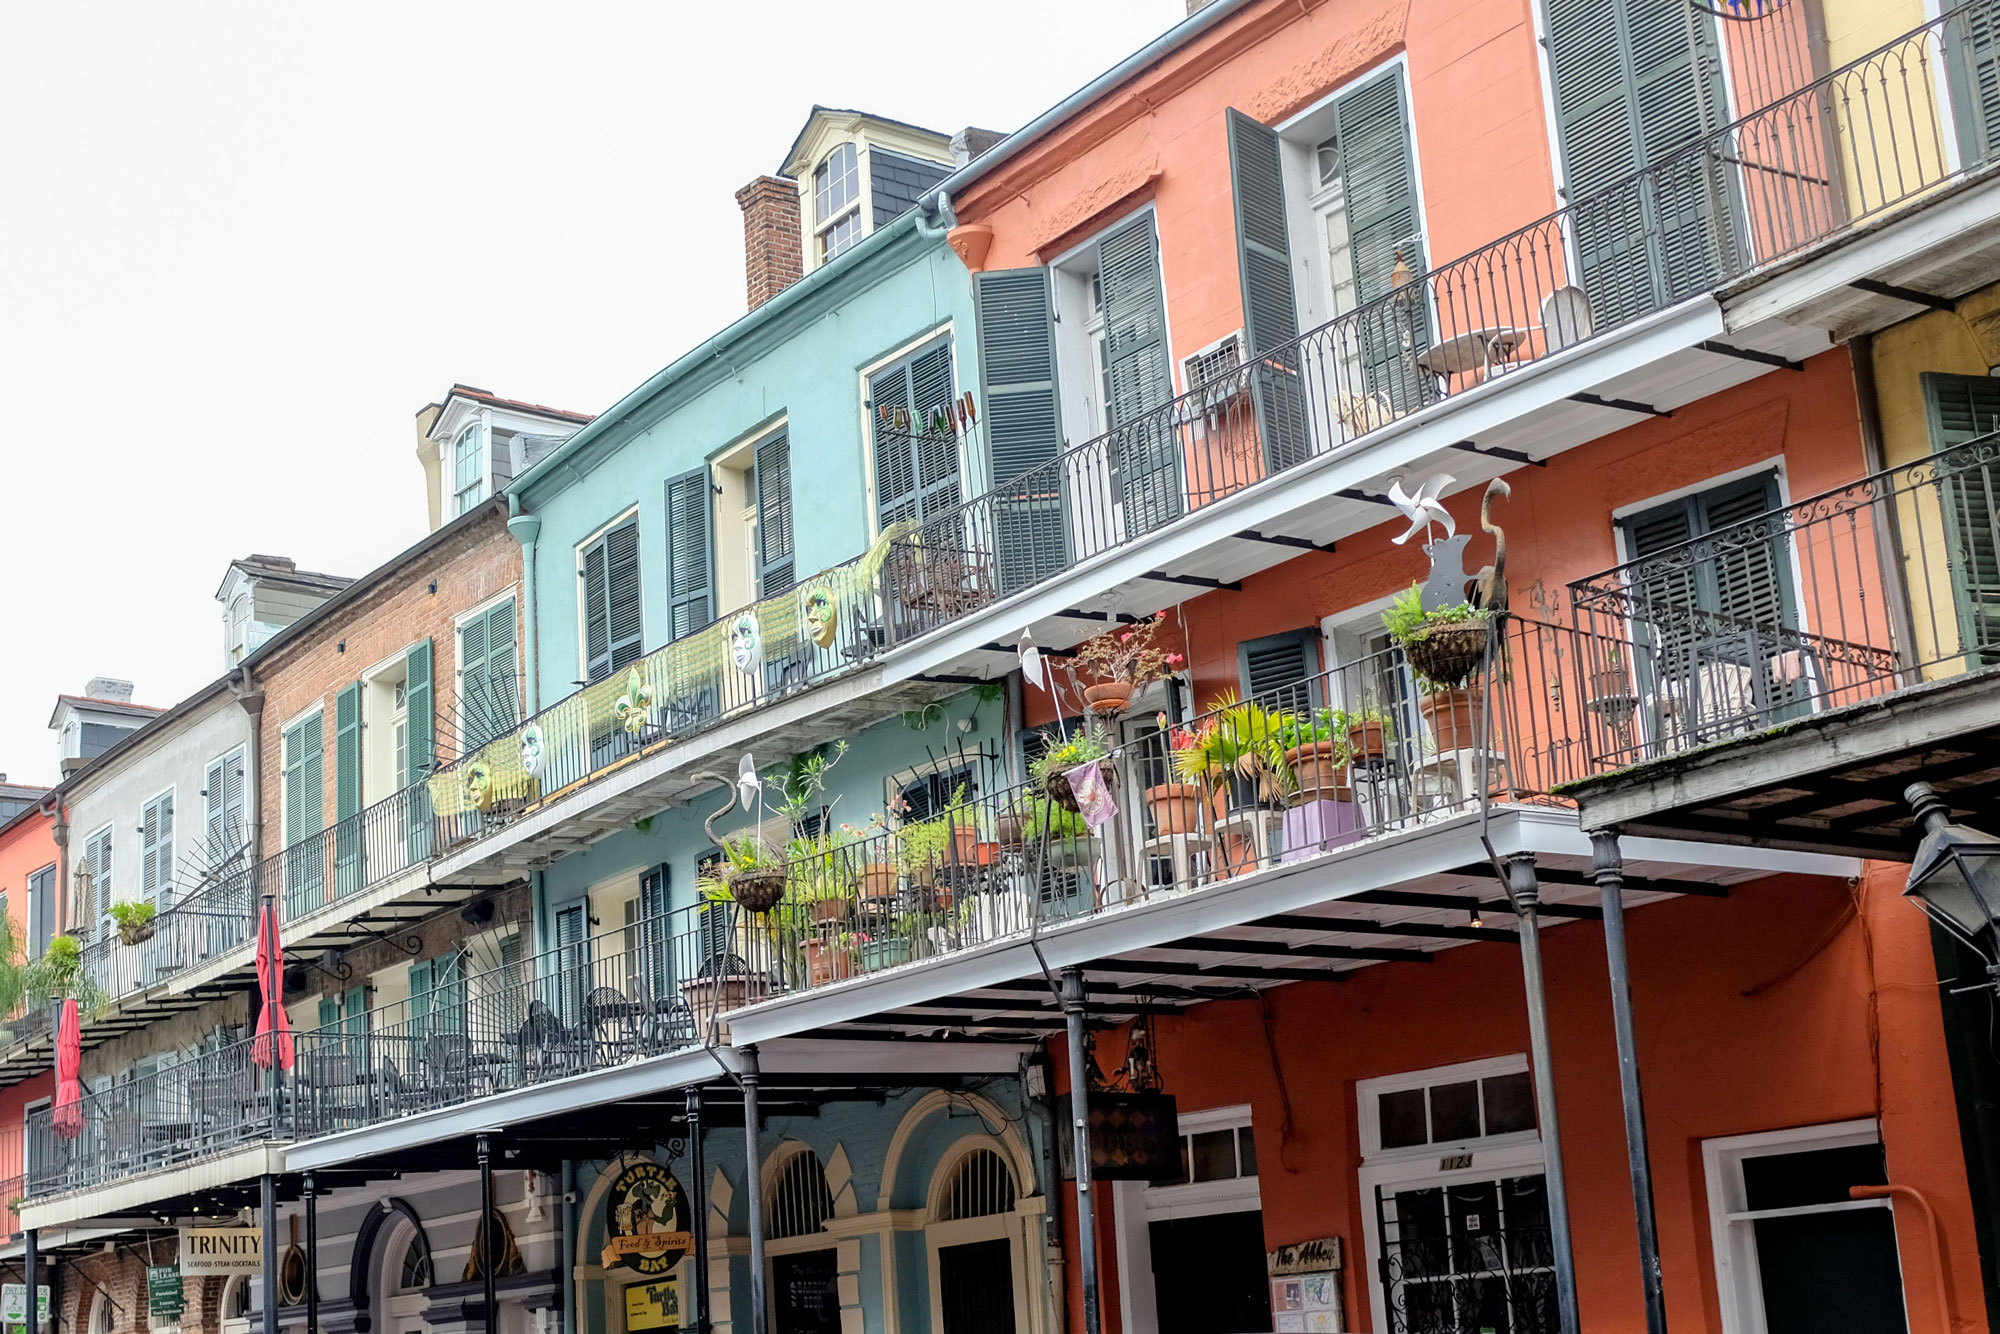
(479, 786)
(531, 749)
(635, 707)
(745, 643)
(822, 617)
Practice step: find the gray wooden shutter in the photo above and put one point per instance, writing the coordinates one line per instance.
(1636, 80)
(486, 676)
(895, 463)
(690, 545)
(1019, 395)
(916, 466)
(613, 626)
(1146, 445)
(215, 819)
(1972, 52)
(933, 391)
(1379, 183)
(775, 538)
(1962, 408)
(1270, 306)
(653, 966)
(156, 850)
(1281, 671)
(568, 979)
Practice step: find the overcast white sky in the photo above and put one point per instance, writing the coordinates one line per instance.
(242, 244)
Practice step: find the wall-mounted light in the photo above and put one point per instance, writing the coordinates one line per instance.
(1478, 919)
(1955, 878)
(434, 587)
(341, 647)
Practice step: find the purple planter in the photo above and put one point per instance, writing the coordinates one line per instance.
(1317, 826)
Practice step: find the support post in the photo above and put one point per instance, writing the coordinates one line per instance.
(487, 1234)
(1608, 866)
(312, 1254)
(267, 1189)
(697, 1213)
(1073, 993)
(30, 1262)
(1524, 888)
(753, 1182)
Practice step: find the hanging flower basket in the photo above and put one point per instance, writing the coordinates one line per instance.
(1108, 697)
(1450, 653)
(136, 934)
(758, 889)
(1056, 783)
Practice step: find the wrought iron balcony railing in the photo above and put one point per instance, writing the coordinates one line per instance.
(1850, 595)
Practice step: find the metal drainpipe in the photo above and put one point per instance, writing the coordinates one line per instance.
(312, 1254)
(489, 1238)
(753, 1186)
(267, 1191)
(1058, 1295)
(1886, 523)
(1074, 996)
(526, 528)
(568, 1267)
(59, 831)
(697, 1212)
(1524, 888)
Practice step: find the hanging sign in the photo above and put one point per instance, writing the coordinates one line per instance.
(653, 1305)
(210, 1251)
(646, 1221)
(165, 1295)
(1133, 1137)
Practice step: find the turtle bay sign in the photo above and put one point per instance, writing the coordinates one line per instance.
(646, 1221)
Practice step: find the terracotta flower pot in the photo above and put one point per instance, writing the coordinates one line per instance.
(827, 962)
(1366, 741)
(1317, 772)
(878, 881)
(708, 996)
(1176, 807)
(1108, 696)
(1010, 829)
(829, 910)
(1454, 717)
(965, 844)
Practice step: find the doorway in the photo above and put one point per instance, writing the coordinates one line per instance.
(806, 1292)
(1209, 1275)
(976, 1287)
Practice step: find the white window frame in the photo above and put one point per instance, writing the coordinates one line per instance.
(822, 227)
(1732, 1235)
(1195, 1199)
(477, 490)
(629, 513)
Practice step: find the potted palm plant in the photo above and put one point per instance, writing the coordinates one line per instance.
(1234, 750)
(1314, 748)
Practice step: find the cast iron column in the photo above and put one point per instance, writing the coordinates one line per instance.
(486, 1234)
(1079, 1111)
(267, 1187)
(1609, 868)
(312, 1255)
(697, 1213)
(753, 1183)
(1525, 890)
(30, 1262)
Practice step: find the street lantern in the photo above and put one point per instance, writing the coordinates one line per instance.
(1956, 876)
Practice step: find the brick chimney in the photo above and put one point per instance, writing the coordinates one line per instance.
(773, 247)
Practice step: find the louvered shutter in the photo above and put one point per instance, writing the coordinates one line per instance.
(933, 391)
(1145, 442)
(149, 854)
(775, 538)
(510, 1006)
(1270, 306)
(916, 461)
(420, 1003)
(1018, 392)
(1962, 408)
(329, 1012)
(1379, 183)
(570, 975)
(653, 931)
(347, 870)
(1281, 671)
(895, 464)
(164, 851)
(448, 994)
(596, 627)
(222, 797)
(690, 548)
(1972, 53)
(418, 724)
(621, 594)
(1636, 81)
(487, 681)
(472, 725)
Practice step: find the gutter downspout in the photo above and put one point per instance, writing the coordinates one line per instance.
(1888, 528)
(526, 528)
(947, 219)
(59, 831)
(252, 699)
(569, 1247)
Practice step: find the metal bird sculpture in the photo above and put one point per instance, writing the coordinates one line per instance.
(1489, 586)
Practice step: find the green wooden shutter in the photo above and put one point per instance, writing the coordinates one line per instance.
(1972, 53)
(420, 1002)
(1281, 671)
(653, 930)
(472, 689)
(448, 993)
(348, 874)
(1146, 445)
(571, 975)
(775, 539)
(305, 815)
(1962, 408)
(487, 681)
(354, 1022)
(1270, 306)
(329, 1012)
(1635, 81)
(916, 466)
(1379, 183)
(419, 720)
(1018, 391)
(690, 553)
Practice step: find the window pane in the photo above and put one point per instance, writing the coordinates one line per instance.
(1455, 1112)
(1814, 1176)
(1402, 1115)
(1214, 1155)
(1510, 1103)
(1246, 1152)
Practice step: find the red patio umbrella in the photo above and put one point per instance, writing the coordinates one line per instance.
(271, 1014)
(68, 1118)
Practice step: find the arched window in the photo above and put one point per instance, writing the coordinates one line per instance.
(103, 1319)
(469, 467)
(981, 1185)
(415, 1272)
(236, 1298)
(837, 200)
(801, 1203)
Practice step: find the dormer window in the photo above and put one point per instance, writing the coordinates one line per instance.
(239, 627)
(837, 201)
(469, 467)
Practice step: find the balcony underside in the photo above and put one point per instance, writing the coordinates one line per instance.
(1402, 900)
(1529, 413)
(663, 775)
(1832, 782)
